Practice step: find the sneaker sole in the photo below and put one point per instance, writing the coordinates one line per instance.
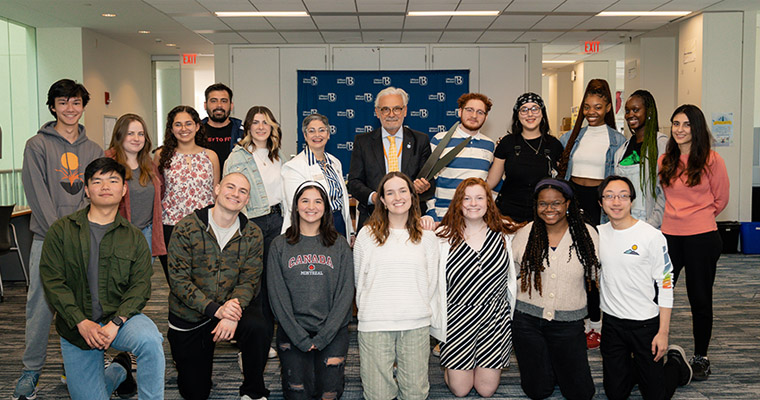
(682, 353)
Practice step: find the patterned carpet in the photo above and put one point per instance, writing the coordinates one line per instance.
(734, 351)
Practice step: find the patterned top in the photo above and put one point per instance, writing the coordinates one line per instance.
(335, 189)
(475, 278)
(189, 186)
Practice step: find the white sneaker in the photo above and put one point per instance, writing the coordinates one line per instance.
(247, 397)
(272, 353)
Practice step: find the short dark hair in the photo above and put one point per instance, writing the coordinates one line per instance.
(218, 86)
(103, 165)
(613, 178)
(66, 88)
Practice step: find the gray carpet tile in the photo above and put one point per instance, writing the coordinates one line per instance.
(734, 350)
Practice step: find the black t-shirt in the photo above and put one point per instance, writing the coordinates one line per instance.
(219, 141)
(525, 163)
(628, 156)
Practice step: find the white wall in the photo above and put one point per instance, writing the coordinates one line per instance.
(690, 74)
(195, 78)
(59, 55)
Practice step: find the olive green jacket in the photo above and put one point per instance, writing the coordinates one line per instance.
(124, 276)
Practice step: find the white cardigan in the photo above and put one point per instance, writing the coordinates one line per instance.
(439, 319)
(297, 171)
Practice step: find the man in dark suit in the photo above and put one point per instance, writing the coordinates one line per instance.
(392, 147)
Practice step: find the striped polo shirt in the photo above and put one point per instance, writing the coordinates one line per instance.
(472, 162)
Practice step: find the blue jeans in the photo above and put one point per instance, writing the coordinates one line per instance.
(87, 379)
(148, 233)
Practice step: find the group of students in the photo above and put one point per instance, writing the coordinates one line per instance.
(251, 240)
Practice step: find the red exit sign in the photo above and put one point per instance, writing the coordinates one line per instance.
(189, 59)
(591, 46)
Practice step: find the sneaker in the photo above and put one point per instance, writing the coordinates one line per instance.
(26, 387)
(63, 374)
(128, 388)
(247, 397)
(677, 355)
(437, 350)
(272, 353)
(240, 360)
(700, 367)
(593, 339)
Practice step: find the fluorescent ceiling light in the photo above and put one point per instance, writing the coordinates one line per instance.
(453, 13)
(261, 14)
(108, 15)
(643, 13)
(558, 61)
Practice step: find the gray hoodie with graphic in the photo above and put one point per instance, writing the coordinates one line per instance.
(53, 175)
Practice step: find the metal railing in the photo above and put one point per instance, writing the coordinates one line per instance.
(11, 188)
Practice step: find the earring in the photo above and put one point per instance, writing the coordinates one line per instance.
(567, 212)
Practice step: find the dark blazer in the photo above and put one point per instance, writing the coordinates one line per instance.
(368, 165)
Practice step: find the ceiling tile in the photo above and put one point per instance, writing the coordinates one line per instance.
(176, 6)
(460, 37)
(479, 23)
(330, 6)
(646, 23)
(636, 5)
(559, 22)
(202, 23)
(342, 37)
(292, 23)
(224, 38)
(516, 21)
(538, 36)
(226, 5)
(242, 23)
(302, 37)
(420, 37)
(687, 5)
(534, 5)
(574, 38)
(381, 37)
(262, 37)
(604, 22)
(381, 6)
(499, 37)
(426, 22)
(433, 5)
(278, 5)
(591, 6)
(483, 5)
(373, 22)
(337, 22)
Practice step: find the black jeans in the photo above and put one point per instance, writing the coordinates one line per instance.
(588, 201)
(316, 374)
(193, 354)
(627, 360)
(168, 229)
(270, 225)
(549, 353)
(699, 254)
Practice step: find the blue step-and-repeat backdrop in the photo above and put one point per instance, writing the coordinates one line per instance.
(347, 99)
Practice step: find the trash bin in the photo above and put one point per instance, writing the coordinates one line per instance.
(729, 233)
(750, 237)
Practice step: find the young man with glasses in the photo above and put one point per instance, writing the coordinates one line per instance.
(392, 147)
(636, 293)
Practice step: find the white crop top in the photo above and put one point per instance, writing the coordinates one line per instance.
(591, 154)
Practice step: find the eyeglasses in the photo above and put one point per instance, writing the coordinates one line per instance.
(622, 197)
(387, 110)
(472, 110)
(554, 205)
(532, 110)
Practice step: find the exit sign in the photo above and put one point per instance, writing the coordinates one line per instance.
(591, 46)
(189, 59)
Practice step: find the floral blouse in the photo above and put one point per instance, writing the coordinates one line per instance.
(189, 186)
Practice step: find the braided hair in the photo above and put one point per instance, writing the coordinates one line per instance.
(649, 153)
(537, 248)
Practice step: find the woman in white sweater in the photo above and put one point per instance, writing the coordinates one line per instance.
(395, 267)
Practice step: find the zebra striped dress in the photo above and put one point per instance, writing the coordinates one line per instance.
(479, 326)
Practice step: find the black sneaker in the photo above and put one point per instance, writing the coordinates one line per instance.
(128, 388)
(700, 366)
(677, 355)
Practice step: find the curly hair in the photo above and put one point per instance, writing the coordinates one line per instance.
(537, 248)
(170, 141)
(274, 142)
(453, 224)
(120, 130)
(378, 221)
(463, 99)
(699, 152)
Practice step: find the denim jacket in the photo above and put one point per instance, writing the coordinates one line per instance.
(242, 161)
(616, 140)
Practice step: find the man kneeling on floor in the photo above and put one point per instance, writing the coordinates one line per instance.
(96, 271)
(215, 264)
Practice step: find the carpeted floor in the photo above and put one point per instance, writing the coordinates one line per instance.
(734, 351)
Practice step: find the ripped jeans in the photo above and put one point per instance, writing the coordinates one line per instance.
(316, 374)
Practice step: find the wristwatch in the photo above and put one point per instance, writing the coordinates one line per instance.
(117, 321)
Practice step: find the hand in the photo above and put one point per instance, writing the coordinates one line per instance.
(421, 185)
(109, 334)
(351, 241)
(375, 197)
(224, 330)
(428, 223)
(92, 334)
(230, 310)
(659, 345)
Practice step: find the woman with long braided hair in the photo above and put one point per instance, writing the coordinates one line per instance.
(557, 259)
(636, 159)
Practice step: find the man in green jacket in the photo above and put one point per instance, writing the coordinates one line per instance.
(214, 274)
(96, 271)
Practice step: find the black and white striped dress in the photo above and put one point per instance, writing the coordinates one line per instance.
(479, 331)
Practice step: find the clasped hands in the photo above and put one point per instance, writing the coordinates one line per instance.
(229, 314)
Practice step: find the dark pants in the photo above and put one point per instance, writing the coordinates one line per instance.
(270, 225)
(193, 354)
(699, 254)
(316, 374)
(340, 223)
(627, 360)
(588, 201)
(168, 229)
(549, 353)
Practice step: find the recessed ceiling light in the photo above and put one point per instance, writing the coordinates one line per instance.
(171, 45)
(261, 14)
(643, 13)
(108, 15)
(453, 13)
(558, 61)
(144, 32)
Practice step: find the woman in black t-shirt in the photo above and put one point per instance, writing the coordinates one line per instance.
(523, 157)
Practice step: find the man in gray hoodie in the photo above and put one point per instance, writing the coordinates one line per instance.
(53, 178)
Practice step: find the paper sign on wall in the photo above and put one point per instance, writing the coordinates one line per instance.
(723, 128)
